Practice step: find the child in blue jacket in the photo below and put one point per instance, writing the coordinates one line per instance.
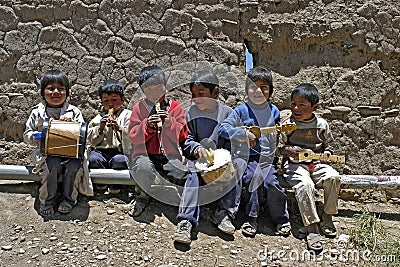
(260, 175)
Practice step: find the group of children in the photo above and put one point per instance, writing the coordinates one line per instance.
(165, 142)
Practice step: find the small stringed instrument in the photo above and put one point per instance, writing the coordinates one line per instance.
(258, 131)
(308, 154)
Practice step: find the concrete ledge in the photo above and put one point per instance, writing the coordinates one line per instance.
(109, 176)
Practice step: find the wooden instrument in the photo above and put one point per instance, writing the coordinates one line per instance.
(110, 112)
(308, 154)
(63, 138)
(257, 131)
(222, 168)
(158, 108)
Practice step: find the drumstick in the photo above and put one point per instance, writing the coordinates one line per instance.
(158, 108)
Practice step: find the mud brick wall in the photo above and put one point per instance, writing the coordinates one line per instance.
(349, 49)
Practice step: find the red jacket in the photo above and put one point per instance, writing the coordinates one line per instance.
(147, 140)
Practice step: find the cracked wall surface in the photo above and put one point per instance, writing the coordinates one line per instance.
(349, 49)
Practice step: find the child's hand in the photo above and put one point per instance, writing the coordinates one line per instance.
(291, 151)
(105, 120)
(326, 161)
(113, 123)
(63, 118)
(37, 136)
(252, 139)
(165, 118)
(153, 120)
(200, 152)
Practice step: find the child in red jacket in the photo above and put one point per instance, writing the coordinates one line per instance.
(157, 128)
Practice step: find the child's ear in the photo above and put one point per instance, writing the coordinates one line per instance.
(315, 107)
(216, 92)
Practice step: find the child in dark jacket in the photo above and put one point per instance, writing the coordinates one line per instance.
(204, 118)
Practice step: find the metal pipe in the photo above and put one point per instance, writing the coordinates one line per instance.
(16, 172)
(110, 176)
(98, 176)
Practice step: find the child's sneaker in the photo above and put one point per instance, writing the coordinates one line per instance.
(101, 187)
(182, 233)
(226, 226)
(114, 189)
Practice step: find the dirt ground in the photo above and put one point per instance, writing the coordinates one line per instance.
(98, 232)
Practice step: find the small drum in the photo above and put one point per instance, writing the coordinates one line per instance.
(222, 169)
(63, 138)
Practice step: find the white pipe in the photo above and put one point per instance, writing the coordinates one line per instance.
(98, 176)
(109, 176)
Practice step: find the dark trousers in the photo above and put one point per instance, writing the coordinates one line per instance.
(57, 166)
(107, 159)
(260, 180)
(152, 179)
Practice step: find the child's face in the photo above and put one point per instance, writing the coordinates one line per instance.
(111, 101)
(258, 92)
(155, 93)
(202, 97)
(55, 95)
(301, 108)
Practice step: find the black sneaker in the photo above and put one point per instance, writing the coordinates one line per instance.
(182, 233)
(101, 187)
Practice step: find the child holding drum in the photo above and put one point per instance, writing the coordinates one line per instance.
(107, 132)
(55, 88)
(260, 175)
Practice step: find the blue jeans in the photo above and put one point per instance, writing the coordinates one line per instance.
(193, 194)
(260, 179)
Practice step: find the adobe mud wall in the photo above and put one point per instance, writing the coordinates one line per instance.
(349, 49)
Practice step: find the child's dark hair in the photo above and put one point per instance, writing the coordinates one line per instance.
(54, 76)
(307, 91)
(151, 75)
(205, 78)
(111, 87)
(259, 74)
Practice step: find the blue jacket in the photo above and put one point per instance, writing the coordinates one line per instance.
(243, 115)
